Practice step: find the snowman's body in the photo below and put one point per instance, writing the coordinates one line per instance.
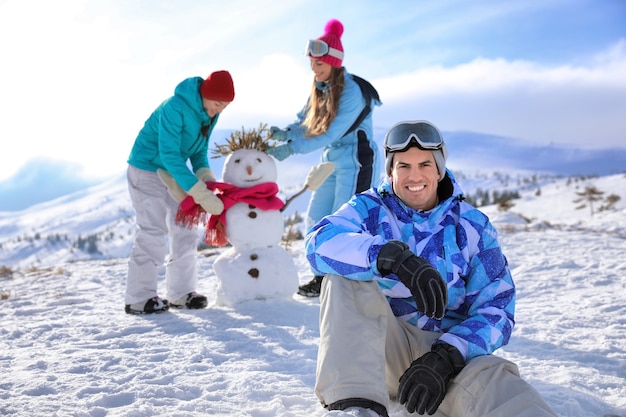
(256, 266)
(249, 227)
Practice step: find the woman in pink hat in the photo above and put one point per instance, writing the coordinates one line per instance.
(175, 134)
(336, 118)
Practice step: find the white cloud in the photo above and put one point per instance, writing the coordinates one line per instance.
(79, 78)
(271, 92)
(565, 104)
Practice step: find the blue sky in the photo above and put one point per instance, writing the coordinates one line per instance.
(79, 78)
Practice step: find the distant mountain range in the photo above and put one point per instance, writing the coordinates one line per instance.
(42, 180)
(98, 222)
(467, 148)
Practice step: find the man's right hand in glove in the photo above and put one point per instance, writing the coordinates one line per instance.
(206, 199)
(425, 283)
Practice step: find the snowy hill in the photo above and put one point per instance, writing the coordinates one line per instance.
(562, 204)
(95, 223)
(469, 151)
(98, 222)
(67, 347)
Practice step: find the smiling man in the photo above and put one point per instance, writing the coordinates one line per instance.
(417, 295)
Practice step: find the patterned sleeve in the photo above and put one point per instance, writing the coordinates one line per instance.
(489, 301)
(342, 244)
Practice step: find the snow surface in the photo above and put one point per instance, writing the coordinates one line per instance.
(68, 349)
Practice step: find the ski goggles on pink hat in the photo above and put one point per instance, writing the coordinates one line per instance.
(317, 48)
(425, 134)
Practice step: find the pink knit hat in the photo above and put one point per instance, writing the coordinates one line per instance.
(332, 36)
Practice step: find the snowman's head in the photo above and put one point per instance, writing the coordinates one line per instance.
(248, 167)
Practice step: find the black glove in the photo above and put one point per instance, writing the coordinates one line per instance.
(424, 384)
(426, 284)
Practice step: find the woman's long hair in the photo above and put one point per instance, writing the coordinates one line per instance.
(322, 106)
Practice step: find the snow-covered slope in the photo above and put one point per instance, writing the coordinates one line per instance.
(68, 348)
(98, 222)
(563, 204)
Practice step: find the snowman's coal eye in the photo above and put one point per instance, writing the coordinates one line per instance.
(259, 160)
(237, 161)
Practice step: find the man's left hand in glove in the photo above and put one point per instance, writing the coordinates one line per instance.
(424, 385)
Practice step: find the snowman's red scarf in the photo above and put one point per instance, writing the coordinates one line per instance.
(190, 214)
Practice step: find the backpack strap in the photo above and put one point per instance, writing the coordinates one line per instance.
(369, 93)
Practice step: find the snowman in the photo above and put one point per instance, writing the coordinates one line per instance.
(255, 266)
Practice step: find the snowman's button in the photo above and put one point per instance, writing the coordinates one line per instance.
(253, 272)
(251, 207)
(252, 214)
(254, 257)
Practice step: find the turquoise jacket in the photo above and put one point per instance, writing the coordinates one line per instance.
(172, 135)
(455, 237)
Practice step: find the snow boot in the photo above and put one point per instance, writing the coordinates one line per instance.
(311, 288)
(191, 301)
(151, 306)
(353, 412)
(357, 407)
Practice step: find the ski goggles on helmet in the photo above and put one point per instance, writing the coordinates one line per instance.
(425, 134)
(317, 48)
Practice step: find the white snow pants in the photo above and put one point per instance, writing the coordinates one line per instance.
(364, 350)
(156, 214)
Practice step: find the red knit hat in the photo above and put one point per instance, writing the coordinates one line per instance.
(218, 86)
(332, 36)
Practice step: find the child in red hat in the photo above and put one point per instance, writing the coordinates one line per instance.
(176, 133)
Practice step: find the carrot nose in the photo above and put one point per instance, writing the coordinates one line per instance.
(249, 170)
